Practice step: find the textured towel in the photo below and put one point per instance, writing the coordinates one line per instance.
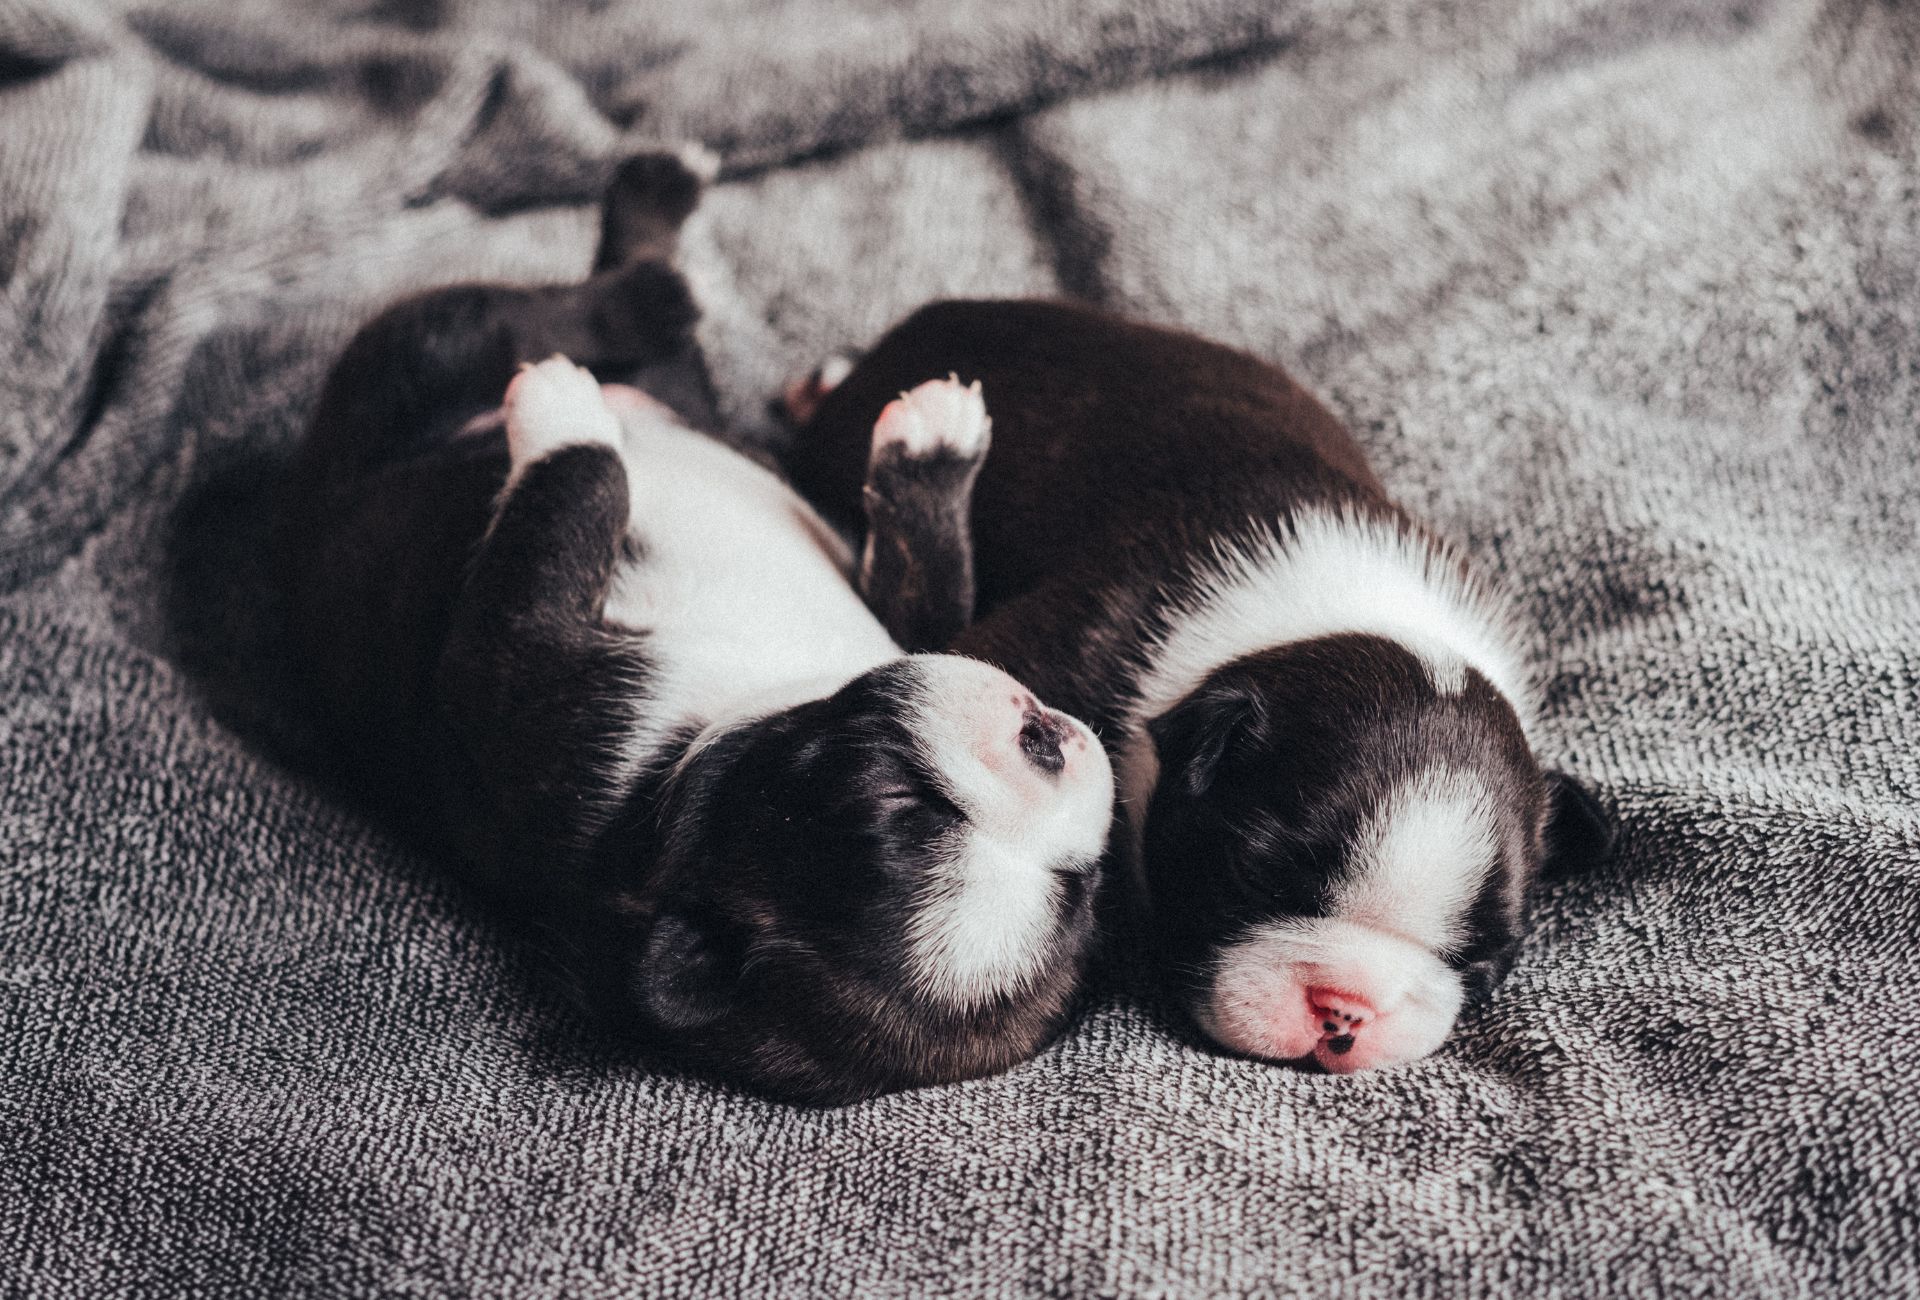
(1625, 294)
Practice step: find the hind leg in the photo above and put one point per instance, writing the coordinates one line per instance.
(428, 363)
(649, 198)
(634, 312)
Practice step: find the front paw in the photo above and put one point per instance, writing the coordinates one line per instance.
(552, 404)
(942, 419)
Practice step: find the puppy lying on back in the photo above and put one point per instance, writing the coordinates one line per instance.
(621, 671)
(1319, 714)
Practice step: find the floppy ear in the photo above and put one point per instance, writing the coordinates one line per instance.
(1581, 831)
(1193, 736)
(1484, 977)
(688, 972)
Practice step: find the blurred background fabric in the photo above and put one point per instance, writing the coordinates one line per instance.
(1625, 294)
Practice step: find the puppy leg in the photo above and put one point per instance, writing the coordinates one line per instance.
(448, 354)
(916, 572)
(420, 367)
(553, 404)
(540, 693)
(650, 197)
(452, 352)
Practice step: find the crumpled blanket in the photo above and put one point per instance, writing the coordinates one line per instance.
(1624, 294)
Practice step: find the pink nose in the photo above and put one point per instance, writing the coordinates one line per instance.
(1338, 1015)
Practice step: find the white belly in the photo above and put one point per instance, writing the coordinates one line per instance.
(746, 591)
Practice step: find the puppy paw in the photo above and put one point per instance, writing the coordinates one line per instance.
(552, 404)
(647, 201)
(801, 398)
(700, 161)
(940, 418)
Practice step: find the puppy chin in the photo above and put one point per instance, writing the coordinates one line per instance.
(1345, 996)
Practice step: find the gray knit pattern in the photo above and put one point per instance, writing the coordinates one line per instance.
(1623, 294)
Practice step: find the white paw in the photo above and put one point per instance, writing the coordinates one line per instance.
(802, 398)
(941, 415)
(552, 404)
(832, 373)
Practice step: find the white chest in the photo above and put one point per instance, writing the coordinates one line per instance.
(746, 592)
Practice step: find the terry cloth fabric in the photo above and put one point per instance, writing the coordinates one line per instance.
(1624, 295)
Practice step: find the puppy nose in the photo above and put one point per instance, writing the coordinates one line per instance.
(1040, 737)
(1339, 1015)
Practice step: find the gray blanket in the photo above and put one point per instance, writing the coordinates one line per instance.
(1623, 293)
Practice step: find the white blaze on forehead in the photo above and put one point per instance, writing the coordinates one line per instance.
(1416, 866)
(986, 916)
(1324, 573)
(1421, 858)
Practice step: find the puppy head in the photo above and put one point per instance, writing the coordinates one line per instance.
(1338, 846)
(885, 888)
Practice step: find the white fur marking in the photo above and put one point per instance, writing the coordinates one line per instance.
(1421, 858)
(743, 589)
(1327, 573)
(553, 404)
(703, 162)
(984, 921)
(982, 924)
(1257, 1002)
(939, 415)
(833, 372)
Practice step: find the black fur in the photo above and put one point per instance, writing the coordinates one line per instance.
(650, 196)
(1271, 769)
(1123, 456)
(741, 903)
(917, 576)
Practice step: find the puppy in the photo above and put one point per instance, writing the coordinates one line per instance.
(1319, 714)
(620, 672)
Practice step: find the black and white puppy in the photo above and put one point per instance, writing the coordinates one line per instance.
(622, 672)
(1319, 715)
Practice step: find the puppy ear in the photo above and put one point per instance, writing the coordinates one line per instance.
(688, 972)
(1193, 737)
(1581, 831)
(1484, 977)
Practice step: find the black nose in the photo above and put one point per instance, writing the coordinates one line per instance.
(1040, 737)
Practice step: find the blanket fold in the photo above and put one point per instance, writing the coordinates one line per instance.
(1625, 296)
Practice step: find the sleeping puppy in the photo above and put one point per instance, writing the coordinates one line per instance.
(620, 672)
(1319, 714)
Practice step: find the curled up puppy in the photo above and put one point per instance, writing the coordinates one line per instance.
(621, 673)
(1321, 716)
